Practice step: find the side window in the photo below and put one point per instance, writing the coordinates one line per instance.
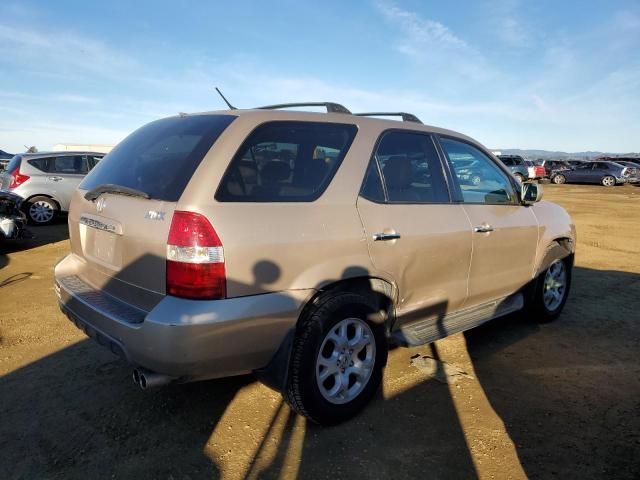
(94, 160)
(372, 184)
(411, 169)
(41, 164)
(70, 164)
(286, 162)
(480, 179)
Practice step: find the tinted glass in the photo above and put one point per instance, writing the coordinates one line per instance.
(286, 162)
(480, 180)
(411, 168)
(41, 164)
(70, 164)
(160, 158)
(372, 185)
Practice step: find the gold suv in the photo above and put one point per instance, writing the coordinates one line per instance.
(299, 245)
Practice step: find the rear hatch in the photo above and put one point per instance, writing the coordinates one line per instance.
(6, 174)
(120, 216)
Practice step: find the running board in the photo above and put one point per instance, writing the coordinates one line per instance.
(431, 328)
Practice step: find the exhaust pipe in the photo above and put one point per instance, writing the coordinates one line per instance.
(146, 379)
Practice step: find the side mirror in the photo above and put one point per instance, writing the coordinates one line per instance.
(531, 193)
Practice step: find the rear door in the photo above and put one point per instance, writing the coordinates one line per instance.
(122, 239)
(65, 174)
(415, 234)
(505, 233)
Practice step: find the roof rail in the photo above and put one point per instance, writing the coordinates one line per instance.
(406, 117)
(330, 106)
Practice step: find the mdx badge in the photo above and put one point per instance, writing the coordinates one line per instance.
(154, 215)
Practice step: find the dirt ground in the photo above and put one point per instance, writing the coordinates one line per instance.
(515, 399)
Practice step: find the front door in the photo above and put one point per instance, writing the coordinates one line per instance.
(416, 236)
(505, 233)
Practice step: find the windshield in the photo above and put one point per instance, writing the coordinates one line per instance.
(160, 158)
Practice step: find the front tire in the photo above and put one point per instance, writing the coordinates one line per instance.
(337, 358)
(41, 210)
(552, 291)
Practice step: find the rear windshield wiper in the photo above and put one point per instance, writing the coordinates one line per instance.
(111, 188)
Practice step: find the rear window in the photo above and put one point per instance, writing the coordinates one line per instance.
(14, 163)
(41, 164)
(286, 162)
(159, 158)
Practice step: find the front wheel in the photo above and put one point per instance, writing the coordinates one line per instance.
(337, 358)
(551, 291)
(609, 181)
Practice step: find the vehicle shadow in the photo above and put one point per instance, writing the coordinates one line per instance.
(78, 415)
(568, 391)
(56, 232)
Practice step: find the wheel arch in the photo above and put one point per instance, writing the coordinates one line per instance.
(378, 291)
(57, 202)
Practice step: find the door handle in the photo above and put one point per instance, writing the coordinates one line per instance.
(55, 179)
(383, 237)
(483, 229)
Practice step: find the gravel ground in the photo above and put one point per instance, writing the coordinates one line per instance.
(510, 399)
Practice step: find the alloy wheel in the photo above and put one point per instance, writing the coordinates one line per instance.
(346, 360)
(555, 285)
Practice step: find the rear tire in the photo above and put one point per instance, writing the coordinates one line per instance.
(41, 210)
(337, 358)
(559, 179)
(609, 181)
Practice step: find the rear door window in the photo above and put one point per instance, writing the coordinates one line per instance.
(70, 165)
(410, 168)
(41, 164)
(286, 162)
(161, 157)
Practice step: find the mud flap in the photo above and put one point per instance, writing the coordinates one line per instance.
(276, 373)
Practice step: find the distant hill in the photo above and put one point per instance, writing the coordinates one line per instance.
(546, 154)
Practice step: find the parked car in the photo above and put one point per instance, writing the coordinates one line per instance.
(576, 163)
(46, 181)
(196, 254)
(605, 173)
(515, 163)
(12, 218)
(535, 171)
(553, 166)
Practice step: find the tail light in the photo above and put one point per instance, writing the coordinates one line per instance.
(539, 170)
(195, 258)
(17, 179)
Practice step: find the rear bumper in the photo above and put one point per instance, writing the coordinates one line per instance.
(186, 339)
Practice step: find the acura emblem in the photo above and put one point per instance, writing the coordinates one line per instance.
(100, 204)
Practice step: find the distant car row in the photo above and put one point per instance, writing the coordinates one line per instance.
(606, 171)
(46, 181)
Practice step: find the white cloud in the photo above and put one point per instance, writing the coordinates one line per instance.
(448, 60)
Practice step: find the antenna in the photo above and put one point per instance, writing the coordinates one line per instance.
(231, 107)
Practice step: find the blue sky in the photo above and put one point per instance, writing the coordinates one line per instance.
(538, 74)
